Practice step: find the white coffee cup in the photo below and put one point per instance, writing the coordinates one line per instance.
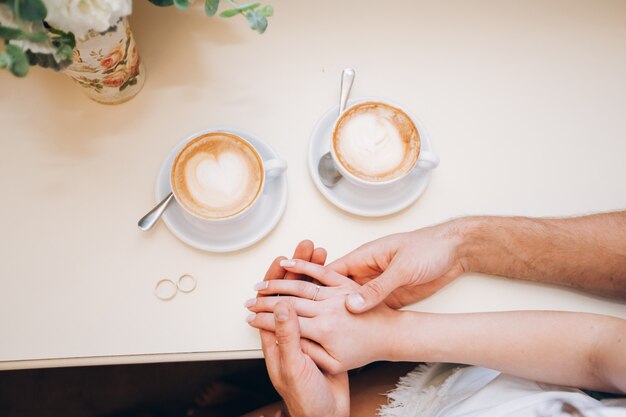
(425, 160)
(267, 169)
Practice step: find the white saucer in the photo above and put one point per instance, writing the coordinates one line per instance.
(237, 234)
(358, 200)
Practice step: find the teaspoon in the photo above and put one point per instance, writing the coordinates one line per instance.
(329, 175)
(149, 220)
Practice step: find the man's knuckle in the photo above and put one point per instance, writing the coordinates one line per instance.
(376, 287)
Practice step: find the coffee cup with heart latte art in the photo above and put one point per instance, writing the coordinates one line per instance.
(218, 176)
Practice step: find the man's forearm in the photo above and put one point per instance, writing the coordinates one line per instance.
(587, 253)
(574, 349)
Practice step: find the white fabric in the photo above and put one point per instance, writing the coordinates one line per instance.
(445, 390)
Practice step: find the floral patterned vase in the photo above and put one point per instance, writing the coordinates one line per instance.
(107, 65)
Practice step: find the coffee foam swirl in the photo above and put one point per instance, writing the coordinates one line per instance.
(217, 175)
(376, 142)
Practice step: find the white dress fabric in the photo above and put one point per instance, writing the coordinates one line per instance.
(447, 390)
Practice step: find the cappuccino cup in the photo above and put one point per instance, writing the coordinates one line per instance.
(376, 144)
(219, 177)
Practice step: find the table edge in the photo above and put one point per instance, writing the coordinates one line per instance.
(130, 359)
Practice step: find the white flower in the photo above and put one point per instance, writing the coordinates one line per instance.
(81, 16)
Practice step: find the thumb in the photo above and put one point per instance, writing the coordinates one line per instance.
(374, 292)
(287, 333)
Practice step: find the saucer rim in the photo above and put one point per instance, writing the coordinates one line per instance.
(258, 235)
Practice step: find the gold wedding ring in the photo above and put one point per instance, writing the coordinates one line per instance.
(165, 289)
(186, 283)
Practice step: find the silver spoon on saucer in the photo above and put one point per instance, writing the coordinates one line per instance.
(329, 175)
(149, 220)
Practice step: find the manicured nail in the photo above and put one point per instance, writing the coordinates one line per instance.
(281, 313)
(249, 303)
(259, 286)
(250, 317)
(288, 263)
(356, 301)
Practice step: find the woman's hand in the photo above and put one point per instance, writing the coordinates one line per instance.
(404, 268)
(347, 341)
(306, 390)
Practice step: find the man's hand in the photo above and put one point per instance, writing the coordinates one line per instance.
(403, 268)
(306, 390)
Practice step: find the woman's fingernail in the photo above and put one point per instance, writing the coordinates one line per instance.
(288, 263)
(259, 286)
(356, 301)
(249, 303)
(250, 317)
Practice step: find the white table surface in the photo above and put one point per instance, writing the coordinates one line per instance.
(525, 103)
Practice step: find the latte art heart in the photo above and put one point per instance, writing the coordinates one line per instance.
(376, 142)
(218, 180)
(225, 174)
(217, 175)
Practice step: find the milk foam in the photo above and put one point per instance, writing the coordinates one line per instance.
(218, 181)
(374, 142)
(217, 177)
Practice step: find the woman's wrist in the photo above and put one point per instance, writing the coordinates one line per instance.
(414, 337)
(387, 331)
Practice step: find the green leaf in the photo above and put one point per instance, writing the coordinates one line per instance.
(62, 38)
(65, 52)
(229, 13)
(29, 10)
(5, 60)
(18, 61)
(18, 34)
(162, 3)
(210, 7)
(36, 37)
(266, 11)
(181, 4)
(256, 21)
(10, 33)
(240, 9)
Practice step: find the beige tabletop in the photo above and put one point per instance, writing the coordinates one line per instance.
(525, 103)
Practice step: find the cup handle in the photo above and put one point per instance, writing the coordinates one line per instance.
(427, 160)
(274, 167)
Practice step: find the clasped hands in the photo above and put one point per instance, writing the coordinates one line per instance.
(309, 336)
(299, 309)
(334, 338)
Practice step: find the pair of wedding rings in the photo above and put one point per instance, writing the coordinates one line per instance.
(166, 289)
